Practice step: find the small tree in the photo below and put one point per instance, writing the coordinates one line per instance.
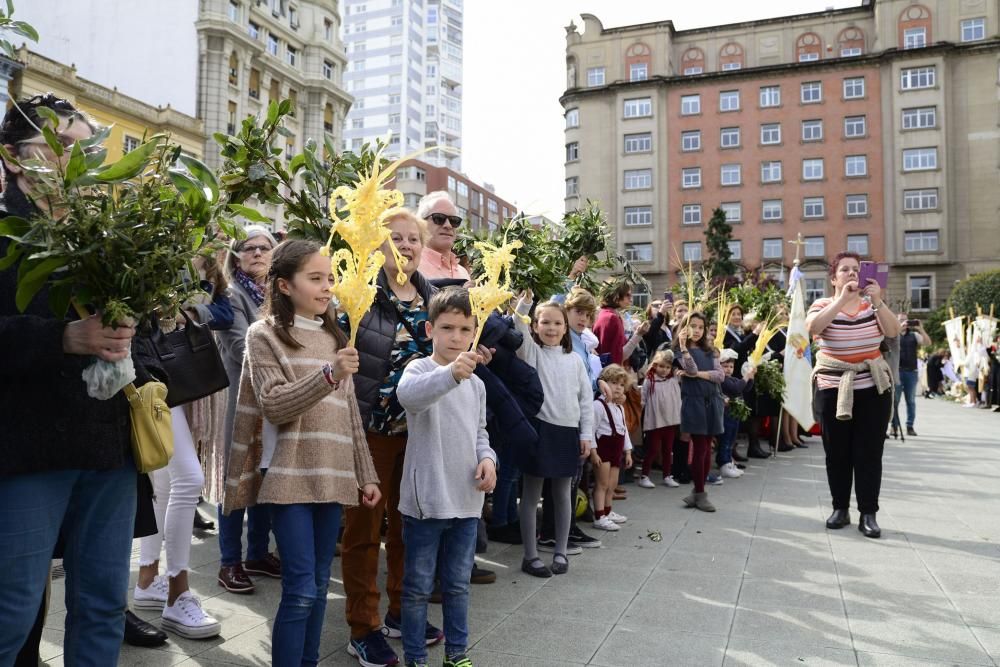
(718, 234)
(981, 289)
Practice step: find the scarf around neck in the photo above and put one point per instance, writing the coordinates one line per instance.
(255, 291)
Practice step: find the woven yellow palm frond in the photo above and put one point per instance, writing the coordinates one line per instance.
(723, 308)
(770, 328)
(492, 289)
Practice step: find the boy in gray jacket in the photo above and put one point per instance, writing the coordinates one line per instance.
(449, 465)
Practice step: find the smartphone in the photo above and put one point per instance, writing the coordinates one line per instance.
(669, 297)
(912, 323)
(873, 271)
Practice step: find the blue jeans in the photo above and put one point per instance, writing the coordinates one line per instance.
(505, 493)
(95, 511)
(231, 534)
(445, 548)
(725, 453)
(907, 387)
(307, 540)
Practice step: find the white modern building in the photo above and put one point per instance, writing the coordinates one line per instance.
(405, 74)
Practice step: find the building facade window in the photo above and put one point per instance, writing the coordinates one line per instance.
(854, 88)
(919, 288)
(733, 211)
(919, 118)
(919, 159)
(638, 72)
(253, 30)
(770, 133)
(815, 246)
(640, 107)
(327, 69)
(811, 92)
(638, 216)
(572, 186)
(850, 51)
(731, 57)
(691, 177)
(639, 252)
(731, 174)
(234, 11)
(925, 199)
(914, 38)
(854, 127)
(851, 41)
(129, 144)
(808, 47)
(638, 179)
(691, 140)
(772, 210)
(923, 241)
(690, 71)
(693, 61)
(639, 143)
(857, 206)
(595, 76)
(812, 169)
(735, 250)
(272, 44)
(572, 118)
(729, 137)
(729, 67)
(858, 243)
(729, 100)
(770, 172)
(815, 288)
(915, 78)
(812, 130)
(572, 149)
(773, 249)
(973, 30)
(692, 251)
(770, 96)
(855, 165)
(813, 207)
(690, 105)
(691, 214)
(253, 89)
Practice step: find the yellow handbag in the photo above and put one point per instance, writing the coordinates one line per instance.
(152, 431)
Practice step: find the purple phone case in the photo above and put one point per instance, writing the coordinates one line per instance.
(873, 271)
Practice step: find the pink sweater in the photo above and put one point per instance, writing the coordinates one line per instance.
(661, 402)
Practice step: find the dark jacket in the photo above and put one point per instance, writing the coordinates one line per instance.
(743, 347)
(49, 422)
(375, 340)
(656, 336)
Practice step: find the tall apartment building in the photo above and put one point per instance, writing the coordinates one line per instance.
(870, 129)
(477, 204)
(405, 74)
(220, 60)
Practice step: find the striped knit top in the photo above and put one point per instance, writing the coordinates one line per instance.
(851, 337)
(321, 454)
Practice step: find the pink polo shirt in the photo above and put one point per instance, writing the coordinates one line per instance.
(435, 266)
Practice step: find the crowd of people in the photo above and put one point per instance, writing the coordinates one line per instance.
(409, 438)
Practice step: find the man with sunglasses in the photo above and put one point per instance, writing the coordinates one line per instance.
(438, 262)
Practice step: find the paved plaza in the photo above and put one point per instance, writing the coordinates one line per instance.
(760, 582)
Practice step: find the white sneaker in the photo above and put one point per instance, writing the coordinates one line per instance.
(187, 619)
(730, 470)
(153, 597)
(604, 523)
(670, 481)
(646, 483)
(616, 517)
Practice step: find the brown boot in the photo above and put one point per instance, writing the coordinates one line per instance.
(702, 503)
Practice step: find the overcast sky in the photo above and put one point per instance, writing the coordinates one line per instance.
(515, 71)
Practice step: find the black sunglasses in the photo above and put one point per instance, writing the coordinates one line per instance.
(440, 218)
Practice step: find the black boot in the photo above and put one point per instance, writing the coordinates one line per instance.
(755, 452)
(202, 522)
(868, 527)
(140, 633)
(738, 457)
(839, 519)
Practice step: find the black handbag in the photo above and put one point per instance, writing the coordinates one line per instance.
(191, 360)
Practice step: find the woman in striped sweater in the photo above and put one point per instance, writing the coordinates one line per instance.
(854, 389)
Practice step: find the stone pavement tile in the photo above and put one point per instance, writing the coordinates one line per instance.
(543, 638)
(919, 638)
(673, 585)
(507, 596)
(775, 623)
(759, 593)
(133, 656)
(583, 572)
(56, 620)
(865, 607)
(807, 548)
(233, 623)
(595, 603)
(866, 659)
(989, 638)
(631, 648)
(819, 571)
(979, 610)
(657, 614)
(52, 643)
(682, 560)
(483, 658)
(752, 652)
(262, 603)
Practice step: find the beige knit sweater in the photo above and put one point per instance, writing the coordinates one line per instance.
(321, 455)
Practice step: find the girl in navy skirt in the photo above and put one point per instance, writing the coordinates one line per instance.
(702, 406)
(565, 426)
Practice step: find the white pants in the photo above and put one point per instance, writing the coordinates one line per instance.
(175, 498)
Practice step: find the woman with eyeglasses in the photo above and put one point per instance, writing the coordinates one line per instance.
(246, 268)
(439, 262)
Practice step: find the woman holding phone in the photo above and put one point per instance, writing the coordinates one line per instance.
(854, 388)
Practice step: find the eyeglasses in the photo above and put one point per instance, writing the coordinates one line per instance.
(252, 249)
(66, 141)
(440, 218)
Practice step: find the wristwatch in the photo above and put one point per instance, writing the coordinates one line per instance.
(328, 374)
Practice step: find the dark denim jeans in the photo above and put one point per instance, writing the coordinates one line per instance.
(444, 548)
(307, 540)
(907, 387)
(96, 512)
(505, 493)
(724, 454)
(231, 534)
